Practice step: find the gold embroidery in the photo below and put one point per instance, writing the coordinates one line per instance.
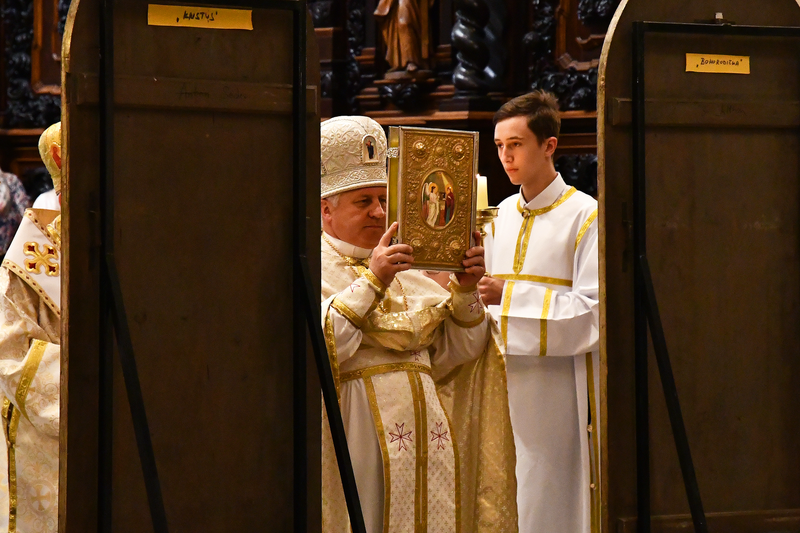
(42, 255)
(504, 314)
(584, 228)
(528, 216)
(471, 324)
(372, 278)
(384, 369)
(360, 267)
(548, 293)
(543, 210)
(534, 279)
(46, 225)
(12, 471)
(387, 485)
(333, 356)
(522, 241)
(594, 457)
(348, 313)
(455, 287)
(421, 420)
(32, 283)
(457, 465)
(28, 373)
(54, 231)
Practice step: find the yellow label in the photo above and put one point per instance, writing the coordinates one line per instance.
(717, 64)
(215, 18)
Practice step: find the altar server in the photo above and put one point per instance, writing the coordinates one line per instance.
(543, 291)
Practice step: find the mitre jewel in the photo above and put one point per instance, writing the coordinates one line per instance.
(353, 153)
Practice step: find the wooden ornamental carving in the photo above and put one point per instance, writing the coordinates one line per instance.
(46, 48)
(32, 80)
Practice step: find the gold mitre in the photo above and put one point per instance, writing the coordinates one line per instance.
(50, 137)
(353, 153)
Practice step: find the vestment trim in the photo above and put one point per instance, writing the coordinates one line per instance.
(594, 451)
(548, 294)
(534, 279)
(421, 472)
(368, 372)
(471, 324)
(348, 313)
(584, 228)
(28, 373)
(387, 482)
(521, 251)
(504, 314)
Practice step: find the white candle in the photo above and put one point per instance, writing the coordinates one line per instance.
(483, 193)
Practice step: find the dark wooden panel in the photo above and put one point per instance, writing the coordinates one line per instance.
(785, 521)
(723, 243)
(209, 95)
(725, 113)
(203, 211)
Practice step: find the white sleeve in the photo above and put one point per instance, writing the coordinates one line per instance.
(344, 313)
(536, 320)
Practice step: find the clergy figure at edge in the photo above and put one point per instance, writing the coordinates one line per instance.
(420, 378)
(30, 362)
(543, 290)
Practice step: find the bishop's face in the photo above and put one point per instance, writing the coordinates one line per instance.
(359, 218)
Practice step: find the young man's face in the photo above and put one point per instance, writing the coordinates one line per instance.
(359, 218)
(523, 157)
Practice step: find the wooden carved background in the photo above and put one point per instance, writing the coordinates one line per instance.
(30, 84)
(483, 52)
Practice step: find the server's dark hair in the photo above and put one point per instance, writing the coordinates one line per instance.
(541, 109)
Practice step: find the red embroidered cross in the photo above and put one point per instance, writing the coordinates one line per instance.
(400, 437)
(476, 306)
(354, 286)
(439, 435)
(416, 355)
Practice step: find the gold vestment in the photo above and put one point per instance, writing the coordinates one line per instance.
(441, 418)
(30, 362)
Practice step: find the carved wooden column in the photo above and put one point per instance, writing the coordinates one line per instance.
(468, 38)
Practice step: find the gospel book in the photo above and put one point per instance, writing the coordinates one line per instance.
(432, 193)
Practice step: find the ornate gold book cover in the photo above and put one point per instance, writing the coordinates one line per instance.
(432, 193)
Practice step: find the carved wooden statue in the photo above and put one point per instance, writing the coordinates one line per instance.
(404, 25)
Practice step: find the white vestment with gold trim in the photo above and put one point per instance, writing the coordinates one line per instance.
(30, 369)
(546, 250)
(398, 358)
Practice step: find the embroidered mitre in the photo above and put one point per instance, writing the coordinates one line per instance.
(51, 137)
(353, 155)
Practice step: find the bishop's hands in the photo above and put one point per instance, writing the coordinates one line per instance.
(388, 259)
(491, 290)
(474, 264)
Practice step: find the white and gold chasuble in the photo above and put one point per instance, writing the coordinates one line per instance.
(546, 250)
(423, 397)
(30, 363)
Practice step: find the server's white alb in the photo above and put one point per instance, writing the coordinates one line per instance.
(546, 250)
